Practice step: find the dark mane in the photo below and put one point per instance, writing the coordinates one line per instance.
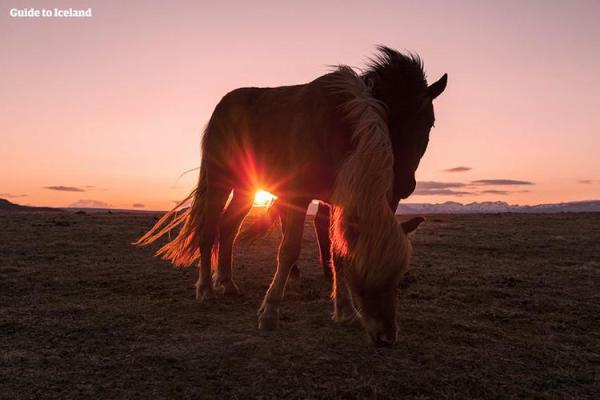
(409, 65)
(398, 80)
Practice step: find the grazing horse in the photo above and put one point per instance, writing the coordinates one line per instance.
(351, 141)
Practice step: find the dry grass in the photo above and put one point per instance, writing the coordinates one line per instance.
(496, 306)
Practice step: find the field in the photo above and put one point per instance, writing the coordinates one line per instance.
(495, 306)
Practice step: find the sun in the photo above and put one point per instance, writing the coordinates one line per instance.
(263, 198)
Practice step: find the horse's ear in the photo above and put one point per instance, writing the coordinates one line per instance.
(412, 224)
(436, 88)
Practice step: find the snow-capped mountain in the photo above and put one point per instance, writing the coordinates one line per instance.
(451, 207)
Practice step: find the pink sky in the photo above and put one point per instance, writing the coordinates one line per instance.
(114, 105)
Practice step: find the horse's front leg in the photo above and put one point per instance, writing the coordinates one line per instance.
(294, 270)
(342, 303)
(322, 223)
(289, 250)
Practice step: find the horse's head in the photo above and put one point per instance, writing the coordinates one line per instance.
(410, 137)
(398, 81)
(376, 300)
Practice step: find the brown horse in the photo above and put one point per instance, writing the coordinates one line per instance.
(352, 141)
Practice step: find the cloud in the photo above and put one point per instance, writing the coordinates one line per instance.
(12, 196)
(138, 205)
(431, 188)
(85, 203)
(430, 185)
(458, 169)
(90, 187)
(587, 181)
(61, 188)
(440, 192)
(500, 182)
(434, 188)
(499, 192)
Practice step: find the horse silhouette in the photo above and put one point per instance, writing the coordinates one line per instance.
(352, 141)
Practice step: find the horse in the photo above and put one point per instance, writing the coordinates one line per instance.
(352, 141)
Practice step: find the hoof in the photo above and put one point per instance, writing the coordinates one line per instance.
(204, 293)
(344, 314)
(228, 288)
(268, 318)
(267, 323)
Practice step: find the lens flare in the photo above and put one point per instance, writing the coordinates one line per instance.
(263, 198)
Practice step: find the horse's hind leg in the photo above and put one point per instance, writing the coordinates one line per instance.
(229, 225)
(216, 198)
(289, 250)
(322, 221)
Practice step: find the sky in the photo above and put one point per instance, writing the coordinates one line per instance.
(108, 110)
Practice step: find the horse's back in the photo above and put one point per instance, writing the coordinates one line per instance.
(283, 108)
(282, 129)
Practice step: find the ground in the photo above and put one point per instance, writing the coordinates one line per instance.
(496, 306)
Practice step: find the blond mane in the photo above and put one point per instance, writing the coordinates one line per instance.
(364, 229)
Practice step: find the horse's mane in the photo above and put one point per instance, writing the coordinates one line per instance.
(405, 67)
(396, 79)
(364, 230)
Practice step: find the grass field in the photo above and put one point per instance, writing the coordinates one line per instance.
(495, 306)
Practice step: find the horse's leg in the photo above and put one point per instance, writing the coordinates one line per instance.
(216, 198)
(229, 226)
(342, 303)
(322, 221)
(289, 250)
(294, 271)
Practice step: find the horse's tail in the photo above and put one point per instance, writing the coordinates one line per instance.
(185, 248)
(262, 226)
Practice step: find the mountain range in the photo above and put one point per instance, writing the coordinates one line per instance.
(487, 207)
(449, 207)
